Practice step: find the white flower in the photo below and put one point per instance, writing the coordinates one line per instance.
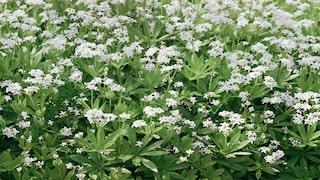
(34, 2)
(151, 112)
(178, 84)
(24, 124)
(183, 159)
(294, 142)
(274, 156)
(93, 115)
(24, 115)
(30, 89)
(138, 123)
(189, 152)
(193, 100)
(39, 164)
(244, 95)
(171, 102)
(87, 50)
(14, 88)
(80, 176)
(224, 128)
(252, 136)
(78, 150)
(10, 132)
(76, 76)
(139, 143)
(28, 160)
(264, 149)
(175, 150)
(79, 135)
(66, 131)
(69, 165)
(270, 82)
(125, 115)
(55, 156)
(270, 159)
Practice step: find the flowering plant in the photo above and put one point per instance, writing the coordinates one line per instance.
(159, 89)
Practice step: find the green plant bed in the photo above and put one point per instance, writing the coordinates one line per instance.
(159, 89)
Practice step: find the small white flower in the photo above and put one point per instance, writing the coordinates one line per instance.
(171, 102)
(151, 112)
(55, 156)
(138, 123)
(39, 164)
(19, 169)
(66, 131)
(125, 116)
(79, 150)
(252, 136)
(175, 150)
(28, 160)
(183, 159)
(189, 152)
(69, 165)
(10, 132)
(80, 176)
(270, 82)
(139, 143)
(224, 128)
(79, 135)
(50, 122)
(24, 124)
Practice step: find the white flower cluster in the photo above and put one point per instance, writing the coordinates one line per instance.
(274, 156)
(10, 132)
(97, 116)
(92, 85)
(11, 87)
(234, 118)
(152, 112)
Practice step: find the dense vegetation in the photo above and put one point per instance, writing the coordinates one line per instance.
(159, 89)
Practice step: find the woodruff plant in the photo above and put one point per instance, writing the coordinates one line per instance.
(158, 89)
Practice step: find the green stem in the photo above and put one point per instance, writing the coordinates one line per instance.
(92, 99)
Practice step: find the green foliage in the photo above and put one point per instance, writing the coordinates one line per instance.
(159, 89)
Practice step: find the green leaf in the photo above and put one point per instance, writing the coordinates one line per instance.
(179, 167)
(81, 159)
(234, 139)
(70, 175)
(295, 135)
(100, 137)
(270, 170)
(240, 145)
(218, 172)
(157, 29)
(233, 155)
(15, 163)
(154, 153)
(302, 133)
(314, 135)
(258, 174)
(125, 157)
(176, 176)
(146, 29)
(153, 146)
(150, 165)
(91, 137)
(9, 164)
(110, 140)
(137, 32)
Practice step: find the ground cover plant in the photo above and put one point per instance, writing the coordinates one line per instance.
(159, 89)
